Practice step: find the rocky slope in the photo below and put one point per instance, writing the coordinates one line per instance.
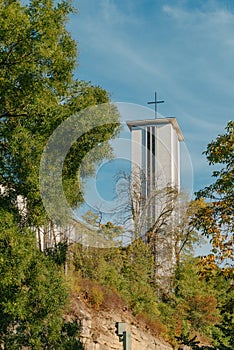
(98, 328)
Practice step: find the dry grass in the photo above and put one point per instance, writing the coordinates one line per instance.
(155, 326)
(95, 294)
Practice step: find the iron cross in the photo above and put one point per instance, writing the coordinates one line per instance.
(155, 102)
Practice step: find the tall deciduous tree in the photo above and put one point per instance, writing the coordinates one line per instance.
(216, 217)
(37, 92)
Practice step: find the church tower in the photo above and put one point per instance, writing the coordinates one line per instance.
(155, 156)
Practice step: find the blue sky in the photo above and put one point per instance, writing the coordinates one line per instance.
(182, 49)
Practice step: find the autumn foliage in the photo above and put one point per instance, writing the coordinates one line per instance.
(215, 218)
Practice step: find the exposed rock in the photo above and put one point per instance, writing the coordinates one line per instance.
(98, 329)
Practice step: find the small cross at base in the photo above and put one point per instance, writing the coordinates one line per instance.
(155, 102)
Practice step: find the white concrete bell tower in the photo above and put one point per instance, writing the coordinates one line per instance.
(155, 155)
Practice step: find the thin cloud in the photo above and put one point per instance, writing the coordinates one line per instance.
(112, 14)
(185, 51)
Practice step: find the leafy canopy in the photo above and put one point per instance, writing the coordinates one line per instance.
(216, 217)
(37, 92)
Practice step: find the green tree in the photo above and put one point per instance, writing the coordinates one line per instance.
(205, 301)
(215, 218)
(38, 91)
(196, 299)
(223, 332)
(32, 292)
(225, 335)
(138, 272)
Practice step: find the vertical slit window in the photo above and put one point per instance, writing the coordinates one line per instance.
(148, 159)
(153, 157)
(148, 138)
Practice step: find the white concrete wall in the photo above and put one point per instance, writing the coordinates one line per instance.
(163, 155)
(136, 148)
(167, 157)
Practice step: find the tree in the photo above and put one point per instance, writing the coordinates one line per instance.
(205, 301)
(32, 292)
(161, 218)
(107, 234)
(185, 236)
(144, 214)
(215, 218)
(38, 92)
(223, 333)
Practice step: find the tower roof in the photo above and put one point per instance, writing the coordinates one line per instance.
(154, 122)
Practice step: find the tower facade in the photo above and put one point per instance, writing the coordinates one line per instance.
(156, 151)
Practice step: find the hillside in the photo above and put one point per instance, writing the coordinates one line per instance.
(98, 327)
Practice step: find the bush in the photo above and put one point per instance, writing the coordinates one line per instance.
(96, 296)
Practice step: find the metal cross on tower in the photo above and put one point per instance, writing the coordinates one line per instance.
(155, 102)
